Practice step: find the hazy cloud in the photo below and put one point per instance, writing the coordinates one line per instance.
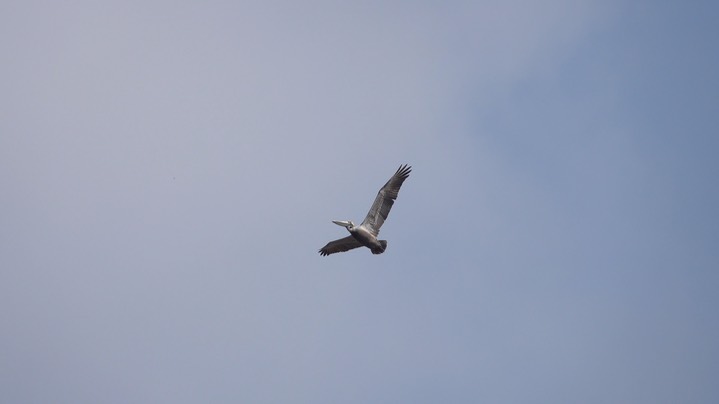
(170, 170)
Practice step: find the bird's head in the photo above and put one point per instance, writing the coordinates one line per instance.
(344, 223)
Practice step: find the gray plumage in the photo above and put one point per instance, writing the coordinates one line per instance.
(366, 233)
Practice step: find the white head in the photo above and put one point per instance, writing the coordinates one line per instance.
(344, 223)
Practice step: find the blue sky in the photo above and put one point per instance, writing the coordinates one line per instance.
(169, 171)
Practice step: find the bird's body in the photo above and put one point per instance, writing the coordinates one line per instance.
(369, 240)
(366, 233)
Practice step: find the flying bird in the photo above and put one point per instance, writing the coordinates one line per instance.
(366, 233)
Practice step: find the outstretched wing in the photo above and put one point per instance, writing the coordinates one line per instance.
(385, 199)
(341, 245)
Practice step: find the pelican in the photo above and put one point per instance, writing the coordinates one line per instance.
(366, 233)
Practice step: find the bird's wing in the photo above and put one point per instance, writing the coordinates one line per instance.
(385, 199)
(341, 245)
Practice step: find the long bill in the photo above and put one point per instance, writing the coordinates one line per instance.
(343, 223)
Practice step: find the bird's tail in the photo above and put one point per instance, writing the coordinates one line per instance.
(380, 250)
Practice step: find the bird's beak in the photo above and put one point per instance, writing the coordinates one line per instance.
(343, 223)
